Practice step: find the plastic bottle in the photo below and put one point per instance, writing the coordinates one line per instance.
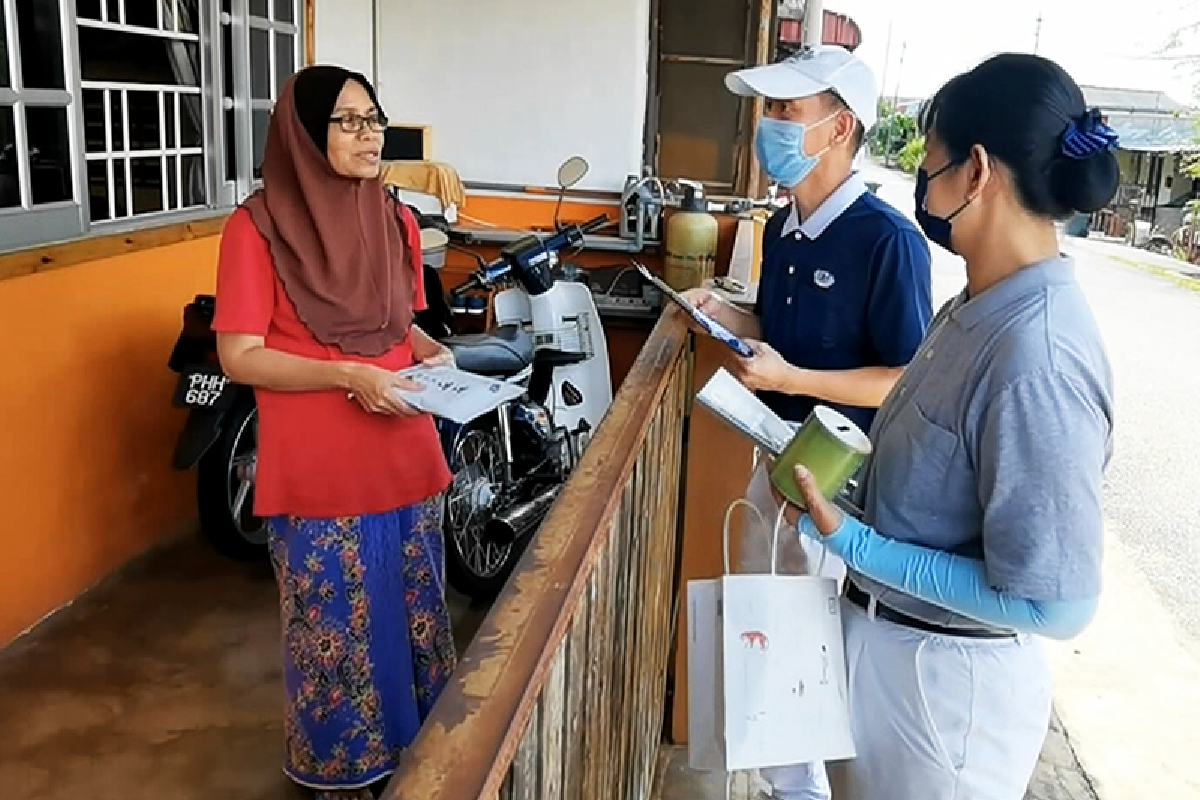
(691, 241)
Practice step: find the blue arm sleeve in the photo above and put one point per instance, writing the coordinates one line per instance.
(953, 582)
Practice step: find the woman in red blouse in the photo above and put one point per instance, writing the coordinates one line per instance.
(319, 276)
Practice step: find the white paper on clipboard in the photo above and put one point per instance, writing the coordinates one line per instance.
(714, 328)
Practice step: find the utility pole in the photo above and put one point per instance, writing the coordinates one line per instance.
(896, 100)
(812, 28)
(1037, 36)
(887, 58)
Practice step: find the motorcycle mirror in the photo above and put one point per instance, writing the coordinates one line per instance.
(572, 171)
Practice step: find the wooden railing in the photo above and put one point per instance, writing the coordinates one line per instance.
(561, 693)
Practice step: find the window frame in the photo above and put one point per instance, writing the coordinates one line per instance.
(244, 104)
(25, 227)
(162, 152)
(26, 224)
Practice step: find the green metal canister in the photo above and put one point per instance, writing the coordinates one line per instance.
(830, 445)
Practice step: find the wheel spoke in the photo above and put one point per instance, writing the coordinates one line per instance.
(477, 470)
(239, 501)
(243, 454)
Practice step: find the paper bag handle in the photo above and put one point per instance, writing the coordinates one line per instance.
(741, 501)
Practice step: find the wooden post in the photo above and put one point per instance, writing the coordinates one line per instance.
(763, 51)
(310, 32)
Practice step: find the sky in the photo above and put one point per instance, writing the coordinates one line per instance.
(1099, 42)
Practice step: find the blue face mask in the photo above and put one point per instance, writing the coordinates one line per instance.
(779, 145)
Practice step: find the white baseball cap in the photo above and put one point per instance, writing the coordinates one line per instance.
(816, 69)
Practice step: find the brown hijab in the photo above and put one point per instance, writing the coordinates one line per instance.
(335, 241)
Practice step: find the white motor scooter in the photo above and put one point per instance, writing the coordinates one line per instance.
(563, 322)
(509, 465)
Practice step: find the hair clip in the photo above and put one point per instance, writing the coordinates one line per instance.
(1087, 135)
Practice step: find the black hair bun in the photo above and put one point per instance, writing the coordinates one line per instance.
(1084, 184)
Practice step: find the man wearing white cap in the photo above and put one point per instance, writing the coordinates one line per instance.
(844, 297)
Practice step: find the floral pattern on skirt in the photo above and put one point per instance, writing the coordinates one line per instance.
(367, 645)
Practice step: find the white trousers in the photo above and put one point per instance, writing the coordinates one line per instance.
(935, 717)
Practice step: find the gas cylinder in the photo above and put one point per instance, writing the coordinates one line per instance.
(690, 241)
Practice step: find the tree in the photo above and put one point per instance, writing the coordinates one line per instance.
(892, 133)
(911, 156)
(1181, 47)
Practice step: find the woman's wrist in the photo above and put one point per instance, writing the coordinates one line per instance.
(344, 373)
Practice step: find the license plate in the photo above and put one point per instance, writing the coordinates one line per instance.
(200, 388)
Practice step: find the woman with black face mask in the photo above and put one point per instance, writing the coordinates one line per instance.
(982, 528)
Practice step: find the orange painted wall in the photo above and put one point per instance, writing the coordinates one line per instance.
(87, 424)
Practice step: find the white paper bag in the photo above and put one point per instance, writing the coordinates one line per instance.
(766, 670)
(794, 555)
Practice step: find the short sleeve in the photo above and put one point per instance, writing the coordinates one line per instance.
(1043, 444)
(410, 234)
(900, 303)
(245, 279)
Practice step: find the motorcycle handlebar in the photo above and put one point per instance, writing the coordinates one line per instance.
(472, 282)
(569, 236)
(594, 224)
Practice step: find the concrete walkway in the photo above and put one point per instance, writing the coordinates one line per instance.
(164, 683)
(1132, 256)
(1059, 776)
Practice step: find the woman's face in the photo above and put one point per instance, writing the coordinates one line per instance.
(354, 155)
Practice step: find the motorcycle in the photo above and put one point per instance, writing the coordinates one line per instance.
(507, 465)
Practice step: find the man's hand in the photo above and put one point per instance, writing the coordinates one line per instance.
(765, 370)
(825, 516)
(705, 301)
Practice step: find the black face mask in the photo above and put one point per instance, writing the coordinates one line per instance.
(936, 228)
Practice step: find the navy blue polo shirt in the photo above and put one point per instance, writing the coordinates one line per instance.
(848, 287)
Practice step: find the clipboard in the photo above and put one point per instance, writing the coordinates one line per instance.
(710, 325)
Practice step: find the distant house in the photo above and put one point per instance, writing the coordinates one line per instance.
(909, 106)
(1157, 135)
(836, 28)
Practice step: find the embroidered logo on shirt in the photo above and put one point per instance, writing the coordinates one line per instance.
(823, 279)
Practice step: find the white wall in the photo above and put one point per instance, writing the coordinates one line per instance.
(343, 33)
(511, 87)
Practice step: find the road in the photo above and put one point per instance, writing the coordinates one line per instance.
(1127, 689)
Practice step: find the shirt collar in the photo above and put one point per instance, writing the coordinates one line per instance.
(834, 206)
(969, 312)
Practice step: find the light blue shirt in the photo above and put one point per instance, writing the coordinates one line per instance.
(993, 443)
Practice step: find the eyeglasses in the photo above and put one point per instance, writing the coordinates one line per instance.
(353, 123)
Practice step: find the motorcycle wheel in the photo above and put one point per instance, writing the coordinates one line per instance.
(475, 566)
(225, 488)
